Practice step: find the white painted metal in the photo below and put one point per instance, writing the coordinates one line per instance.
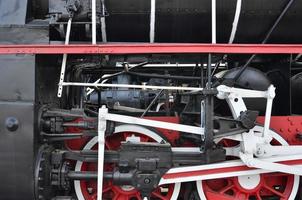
(141, 130)
(235, 22)
(63, 66)
(234, 97)
(103, 23)
(153, 123)
(120, 64)
(269, 104)
(103, 29)
(152, 20)
(213, 21)
(249, 182)
(231, 92)
(93, 18)
(132, 86)
(236, 105)
(101, 149)
(90, 90)
(159, 105)
(267, 150)
(78, 166)
(186, 149)
(262, 164)
(233, 163)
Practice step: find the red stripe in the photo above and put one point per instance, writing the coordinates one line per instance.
(142, 48)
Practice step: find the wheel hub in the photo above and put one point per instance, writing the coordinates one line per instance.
(249, 182)
(127, 187)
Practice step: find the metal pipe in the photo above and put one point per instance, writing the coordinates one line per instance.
(267, 36)
(152, 21)
(152, 102)
(153, 87)
(93, 13)
(87, 175)
(235, 22)
(103, 23)
(213, 21)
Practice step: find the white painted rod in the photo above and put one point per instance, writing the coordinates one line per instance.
(213, 21)
(93, 13)
(64, 61)
(152, 87)
(152, 21)
(235, 22)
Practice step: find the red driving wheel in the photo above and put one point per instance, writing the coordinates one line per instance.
(263, 186)
(250, 187)
(112, 192)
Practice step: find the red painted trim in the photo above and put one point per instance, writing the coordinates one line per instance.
(221, 170)
(143, 48)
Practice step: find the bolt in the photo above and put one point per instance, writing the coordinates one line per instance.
(12, 124)
(147, 181)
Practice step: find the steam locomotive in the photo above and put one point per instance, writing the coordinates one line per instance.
(129, 100)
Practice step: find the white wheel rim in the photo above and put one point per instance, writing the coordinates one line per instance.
(119, 129)
(296, 177)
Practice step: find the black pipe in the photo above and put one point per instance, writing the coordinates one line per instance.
(87, 175)
(265, 39)
(152, 102)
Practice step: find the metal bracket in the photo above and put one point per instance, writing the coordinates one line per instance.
(63, 66)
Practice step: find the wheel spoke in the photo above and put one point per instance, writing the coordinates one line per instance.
(138, 196)
(274, 191)
(226, 188)
(158, 195)
(116, 197)
(240, 196)
(213, 195)
(106, 189)
(125, 135)
(120, 197)
(94, 196)
(258, 196)
(108, 145)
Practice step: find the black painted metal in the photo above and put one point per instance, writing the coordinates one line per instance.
(190, 21)
(17, 120)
